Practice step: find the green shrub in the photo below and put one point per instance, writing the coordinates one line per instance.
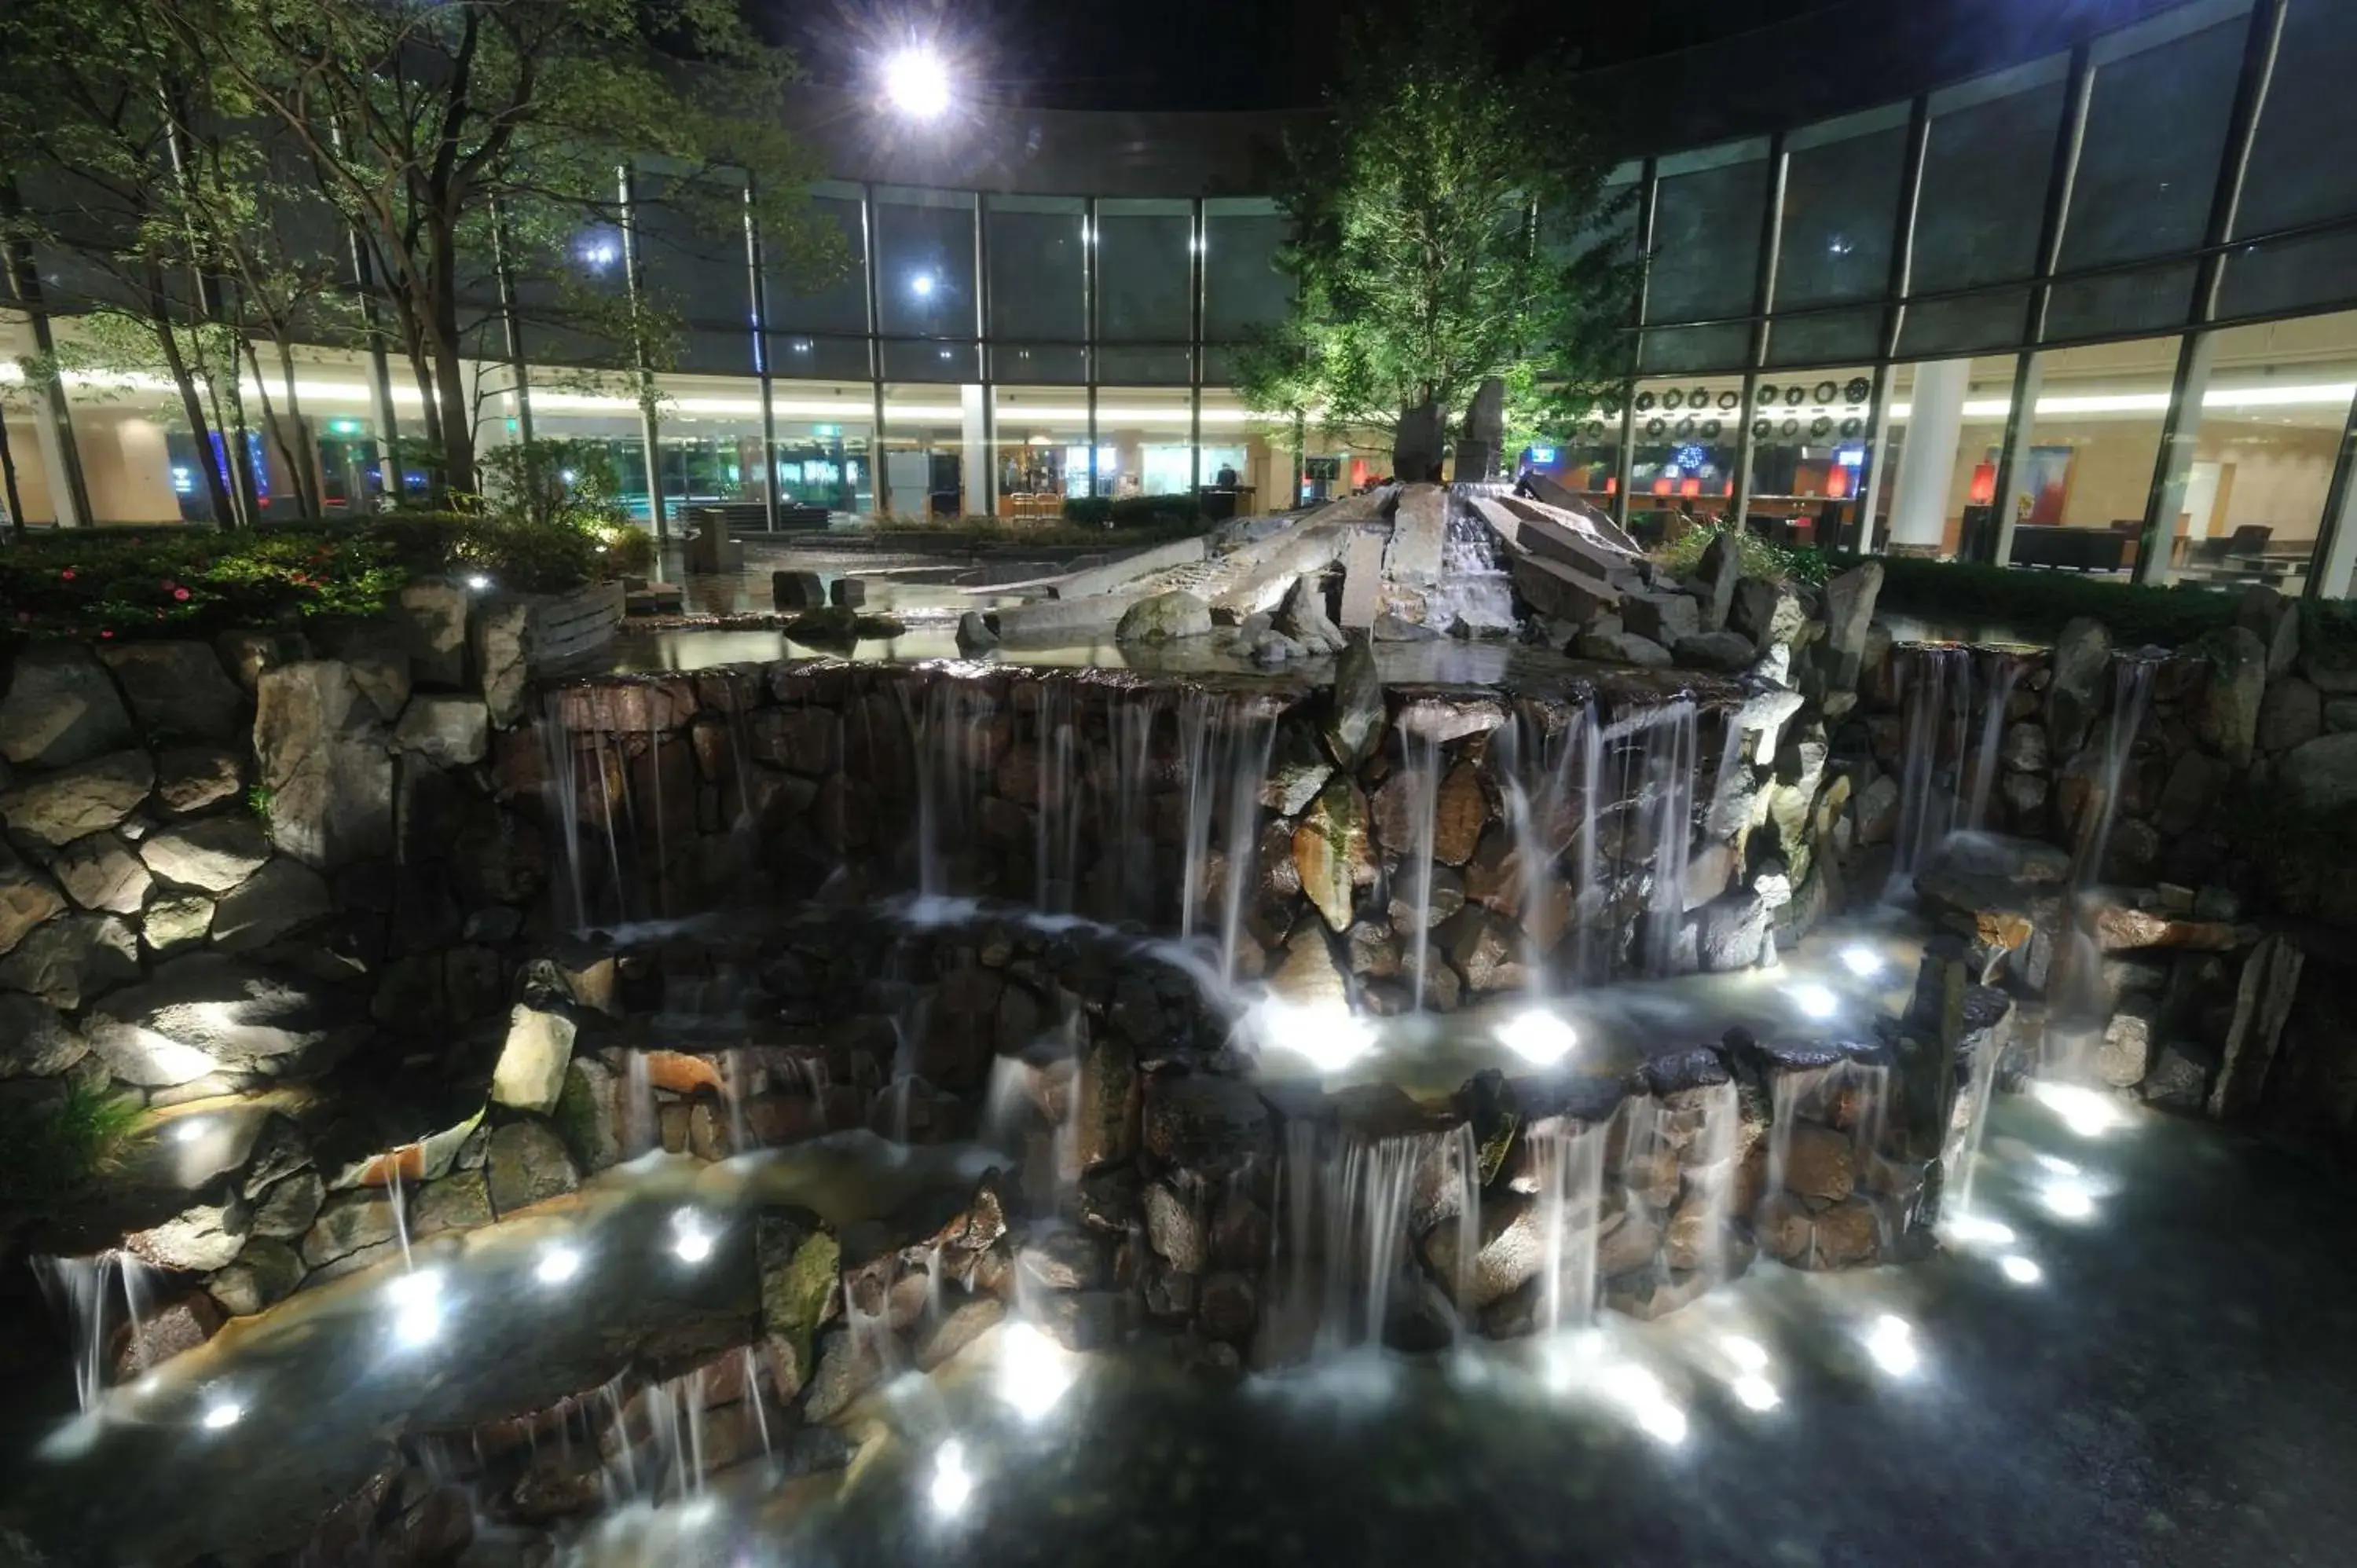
(1759, 558)
(53, 1149)
(2038, 604)
(177, 580)
(1132, 511)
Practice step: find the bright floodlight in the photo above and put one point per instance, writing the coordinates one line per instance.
(1814, 1000)
(1972, 1227)
(2086, 1111)
(222, 1414)
(1745, 1352)
(189, 1130)
(1538, 1036)
(2021, 1271)
(1326, 1033)
(691, 1241)
(1033, 1370)
(478, 581)
(557, 1264)
(1861, 961)
(952, 1483)
(918, 83)
(1640, 1393)
(416, 1301)
(2068, 1200)
(1756, 1392)
(1891, 1340)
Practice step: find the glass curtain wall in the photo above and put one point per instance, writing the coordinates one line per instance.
(2087, 458)
(1682, 468)
(1808, 434)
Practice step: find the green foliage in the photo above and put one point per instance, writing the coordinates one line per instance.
(1133, 511)
(1760, 558)
(2035, 604)
(53, 1149)
(258, 799)
(1451, 223)
(176, 581)
(553, 512)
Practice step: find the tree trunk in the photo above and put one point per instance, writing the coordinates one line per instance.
(458, 418)
(193, 408)
(8, 481)
(298, 472)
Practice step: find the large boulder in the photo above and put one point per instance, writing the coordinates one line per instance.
(2291, 714)
(1660, 617)
(59, 808)
(179, 690)
(324, 765)
(2081, 669)
(1303, 618)
(1766, 611)
(100, 873)
(60, 709)
(528, 1163)
(212, 855)
(1165, 617)
(1720, 569)
(450, 730)
(1620, 648)
(35, 1042)
(68, 960)
(431, 624)
(206, 1014)
(1332, 852)
(2226, 714)
(1849, 618)
(1353, 722)
(281, 897)
(1728, 652)
(27, 898)
(2320, 777)
(530, 1072)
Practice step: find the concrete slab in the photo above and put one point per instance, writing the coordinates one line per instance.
(1129, 568)
(1362, 579)
(1420, 530)
(1547, 493)
(1052, 623)
(1572, 539)
(1257, 576)
(1563, 592)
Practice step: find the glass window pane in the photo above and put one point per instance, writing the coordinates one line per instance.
(1985, 167)
(1243, 290)
(2289, 273)
(1149, 431)
(824, 434)
(1808, 442)
(2303, 163)
(1142, 270)
(692, 251)
(2089, 461)
(926, 431)
(1250, 458)
(1583, 457)
(1942, 327)
(1841, 199)
(575, 310)
(1971, 476)
(1696, 348)
(1059, 362)
(2120, 302)
(2156, 129)
(818, 359)
(924, 247)
(1706, 221)
(1144, 367)
(1037, 289)
(1042, 450)
(1829, 338)
(2263, 452)
(839, 306)
(1687, 432)
(928, 362)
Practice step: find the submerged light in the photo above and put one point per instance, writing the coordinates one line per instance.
(690, 1240)
(222, 1414)
(1814, 1000)
(952, 1484)
(1862, 961)
(1538, 1036)
(2066, 1198)
(416, 1300)
(2086, 1111)
(1641, 1394)
(1326, 1033)
(1034, 1371)
(557, 1264)
(1891, 1340)
(2021, 1271)
(1756, 1392)
(1974, 1228)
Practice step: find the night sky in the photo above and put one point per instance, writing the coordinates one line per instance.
(1207, 54)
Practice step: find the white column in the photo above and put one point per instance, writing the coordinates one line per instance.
(1936, 424)
(2010, 509)
(973, 480)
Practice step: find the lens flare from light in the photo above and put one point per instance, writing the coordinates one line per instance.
(953, 1485)
(1814, 1001)
(222, 1414)
(2086, 1111)
(2068, 1200)
(1538, 1036)
(1861, 961)
(557, 1264)
(690, 1242)
(1974, 1228)
(1327, 1035)
(917, 82)
(417, 1307)
(1639, 1392)
(1034, 1371)
(1891, 1340)
(1747, 1354)
(1755, 1392)
(2021, 1271)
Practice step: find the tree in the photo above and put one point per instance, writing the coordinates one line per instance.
(419, 120)
(1451, 225)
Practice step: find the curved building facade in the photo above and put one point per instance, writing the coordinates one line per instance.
(2087, 298)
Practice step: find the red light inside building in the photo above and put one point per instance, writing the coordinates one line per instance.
(1661, 487)
(1984, 483)
(1690, 487)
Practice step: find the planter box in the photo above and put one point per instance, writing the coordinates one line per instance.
(560, 627)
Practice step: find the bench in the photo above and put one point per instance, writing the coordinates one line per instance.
(2076, 549)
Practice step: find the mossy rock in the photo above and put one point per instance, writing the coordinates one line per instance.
(801, 1262)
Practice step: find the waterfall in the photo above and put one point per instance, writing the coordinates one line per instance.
(953, 755)
(1568, 1162)
(1652, 759)
(642, 1131)
(1848, 1096)
(1368, 1186)
(1937, 717)
(1131, 855)
(1225, 745)
(1055, 878)
(2003, 676)
(562, 800)
(84, 1290)
(2131, 690)
(1423, 756)
(1533, 765)
(1961, 1146)
(398, 1195)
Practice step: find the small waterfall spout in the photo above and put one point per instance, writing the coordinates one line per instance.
(87, 1290)
(1937, 720)
(1225, 745)
(1568, 1162)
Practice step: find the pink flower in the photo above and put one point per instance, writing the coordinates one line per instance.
(67, 574)
(104, 634)
(169, 585)
(181, 595)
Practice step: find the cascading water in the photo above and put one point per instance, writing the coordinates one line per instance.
(1368, 1188)
(1225, 745)
(2004, 675)
(1568, 1163)
(1646, 762)
(1423, 754)
(1936, 719)
(2131, 693)
(1849, 1096)
(85, 1291)
(949, 723)
(1546, 813)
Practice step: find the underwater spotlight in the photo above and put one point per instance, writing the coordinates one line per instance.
(2089, 1112)
(416, 1301)
(1538, 1036)
(557, 1264)
(2067, 1200)
(1862, 961)
(1814, 1000)
(1891, 1340)
(690, 1242)
(1326, 1033)
(2021, 1271)
(1756, 1392)
(1034, 1371)
(952, 1484)
(222, 1414)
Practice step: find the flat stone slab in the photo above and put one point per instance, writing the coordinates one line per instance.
(1257, 576)
(1419, 530)
(1362, 579)
(1050, 622)
(1129, 568)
